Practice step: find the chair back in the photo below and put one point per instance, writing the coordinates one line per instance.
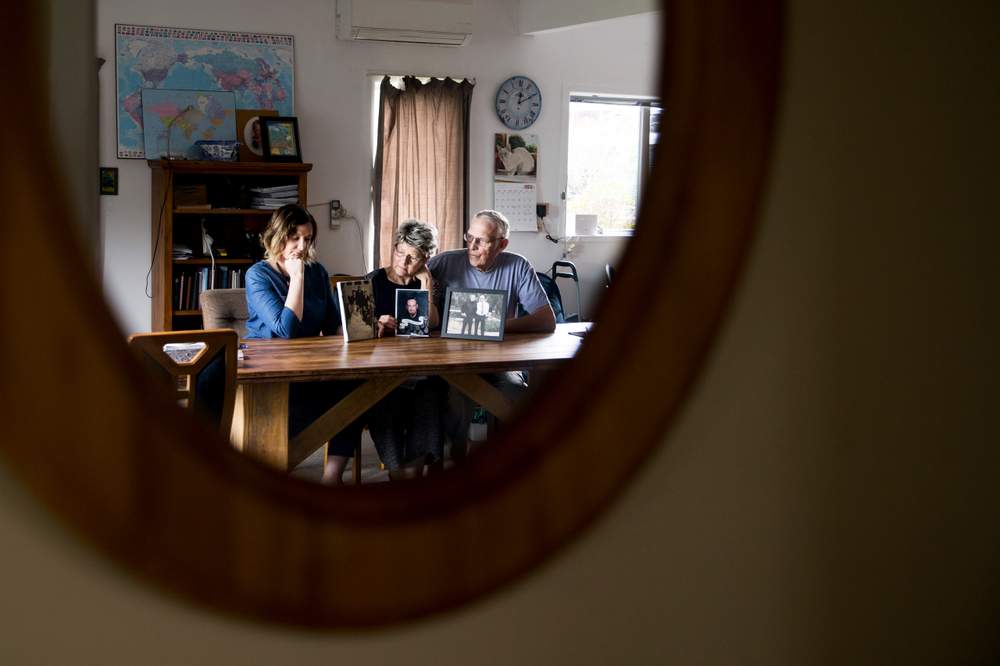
(551, 290)
(198, 366)
(225, 308)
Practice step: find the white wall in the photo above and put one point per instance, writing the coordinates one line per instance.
(538, 15)
(334, 114)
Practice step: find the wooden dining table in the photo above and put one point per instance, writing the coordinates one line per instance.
(260, 423)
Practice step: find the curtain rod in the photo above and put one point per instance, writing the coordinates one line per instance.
(423, 76)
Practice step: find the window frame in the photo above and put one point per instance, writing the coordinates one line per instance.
(610, 92)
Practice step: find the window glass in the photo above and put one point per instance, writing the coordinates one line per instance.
(610, 149)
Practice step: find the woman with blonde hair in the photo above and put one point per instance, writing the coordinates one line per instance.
(288, 296)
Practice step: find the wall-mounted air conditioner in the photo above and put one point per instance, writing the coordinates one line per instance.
(435, 22)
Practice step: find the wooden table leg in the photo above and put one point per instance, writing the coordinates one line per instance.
(484, 393)
(340, 416)
(260, 423)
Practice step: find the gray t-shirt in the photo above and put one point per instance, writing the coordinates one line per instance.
(512, 273)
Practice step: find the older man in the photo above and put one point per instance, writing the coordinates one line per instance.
(485, 264)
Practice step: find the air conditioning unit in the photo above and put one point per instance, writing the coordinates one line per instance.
(434, 22)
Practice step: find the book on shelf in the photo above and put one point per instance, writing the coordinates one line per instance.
(189, 284)
(192, 208)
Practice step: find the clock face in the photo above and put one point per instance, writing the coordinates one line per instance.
(519, 101)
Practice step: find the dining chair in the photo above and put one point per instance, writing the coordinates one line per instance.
(198, 366)
(225, 308)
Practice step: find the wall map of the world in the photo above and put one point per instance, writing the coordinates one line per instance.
(258, 68)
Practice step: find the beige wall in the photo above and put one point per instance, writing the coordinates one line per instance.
(830, 493)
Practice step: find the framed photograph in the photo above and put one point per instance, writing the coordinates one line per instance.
(475, 314)
(248, 133)
(413, 313)
(109, 180)
(357, 309)
(280, 139)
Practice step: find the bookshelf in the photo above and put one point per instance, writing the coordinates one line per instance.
(188, 194)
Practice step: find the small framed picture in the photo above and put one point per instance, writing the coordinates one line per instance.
(357, 309)
(476, 314)
(248, 133)
(280, 139)
(413, 313)
(109, 180)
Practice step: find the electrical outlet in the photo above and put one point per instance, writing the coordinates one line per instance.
(336, 212)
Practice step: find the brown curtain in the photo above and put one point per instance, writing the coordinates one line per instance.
(422, 160)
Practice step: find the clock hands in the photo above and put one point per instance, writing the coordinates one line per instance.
(521, 99)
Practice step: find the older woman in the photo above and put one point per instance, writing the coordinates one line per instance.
(406, 425)
(288, 296)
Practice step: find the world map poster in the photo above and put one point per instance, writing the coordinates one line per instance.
(259, 69)
(174, 120)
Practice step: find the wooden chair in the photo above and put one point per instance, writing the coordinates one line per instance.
(179, 366)
(225, 308)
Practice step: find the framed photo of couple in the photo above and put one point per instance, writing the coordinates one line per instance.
(474, 314)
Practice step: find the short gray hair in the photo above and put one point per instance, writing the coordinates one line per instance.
(416, 234)
(497, 218)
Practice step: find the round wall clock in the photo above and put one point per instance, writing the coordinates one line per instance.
(518, 103)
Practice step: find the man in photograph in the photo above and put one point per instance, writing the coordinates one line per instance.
(468, 309)
(412, 323)
(485, 264)
(482, 311)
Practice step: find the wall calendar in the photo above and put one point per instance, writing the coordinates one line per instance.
(518, 201)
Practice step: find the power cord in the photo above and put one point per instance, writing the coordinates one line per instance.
(345, 216)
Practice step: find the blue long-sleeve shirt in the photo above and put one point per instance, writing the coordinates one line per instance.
(267, 290)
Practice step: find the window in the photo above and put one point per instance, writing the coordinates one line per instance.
(610, 156)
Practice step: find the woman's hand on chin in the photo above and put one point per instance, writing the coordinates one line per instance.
(424, 275)
(295, 267)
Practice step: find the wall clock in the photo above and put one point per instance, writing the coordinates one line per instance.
(518, 103)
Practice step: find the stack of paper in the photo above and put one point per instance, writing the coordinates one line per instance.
(270, 198)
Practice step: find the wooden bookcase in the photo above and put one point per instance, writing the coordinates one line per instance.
(229, 219)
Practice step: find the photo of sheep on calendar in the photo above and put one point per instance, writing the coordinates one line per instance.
(515, 157)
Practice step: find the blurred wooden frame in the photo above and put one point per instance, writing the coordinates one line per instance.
(149, 349)
(216, 528)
